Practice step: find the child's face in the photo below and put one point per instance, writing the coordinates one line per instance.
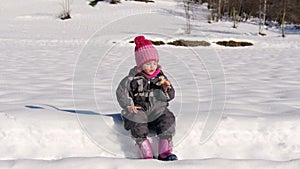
(150, 67)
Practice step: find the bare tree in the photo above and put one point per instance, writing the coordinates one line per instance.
(262, 17)
(219, 10)
(188, 10)
(215, 10)
(284, 4)
(240, 12)
(234, 18)
(65, 14)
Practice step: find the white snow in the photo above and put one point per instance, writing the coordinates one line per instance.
(50, 68)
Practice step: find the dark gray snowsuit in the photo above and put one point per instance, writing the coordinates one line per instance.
(136, 89)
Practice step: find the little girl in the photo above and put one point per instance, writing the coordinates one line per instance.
(144, 95)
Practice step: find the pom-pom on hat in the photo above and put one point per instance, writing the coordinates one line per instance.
(144, 51)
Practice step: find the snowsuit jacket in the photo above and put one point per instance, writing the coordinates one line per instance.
(136, 89)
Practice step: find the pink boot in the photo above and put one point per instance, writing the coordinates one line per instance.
(145, 149)
(165, 148)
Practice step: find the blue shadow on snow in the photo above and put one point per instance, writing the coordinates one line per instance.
(116, 117)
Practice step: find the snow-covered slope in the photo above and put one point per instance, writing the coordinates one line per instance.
(45, 60)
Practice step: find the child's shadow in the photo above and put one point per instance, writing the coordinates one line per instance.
(120, 133)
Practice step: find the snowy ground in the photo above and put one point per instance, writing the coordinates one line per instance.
(45, 61)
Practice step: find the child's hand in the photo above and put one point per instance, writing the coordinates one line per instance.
(166, 85)
(133, 109)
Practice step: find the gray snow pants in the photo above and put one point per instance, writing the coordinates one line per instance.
(164, 126)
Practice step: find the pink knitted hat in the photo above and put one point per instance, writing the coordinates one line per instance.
(144, 51)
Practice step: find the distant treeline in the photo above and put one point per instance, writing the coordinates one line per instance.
(246, 9)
